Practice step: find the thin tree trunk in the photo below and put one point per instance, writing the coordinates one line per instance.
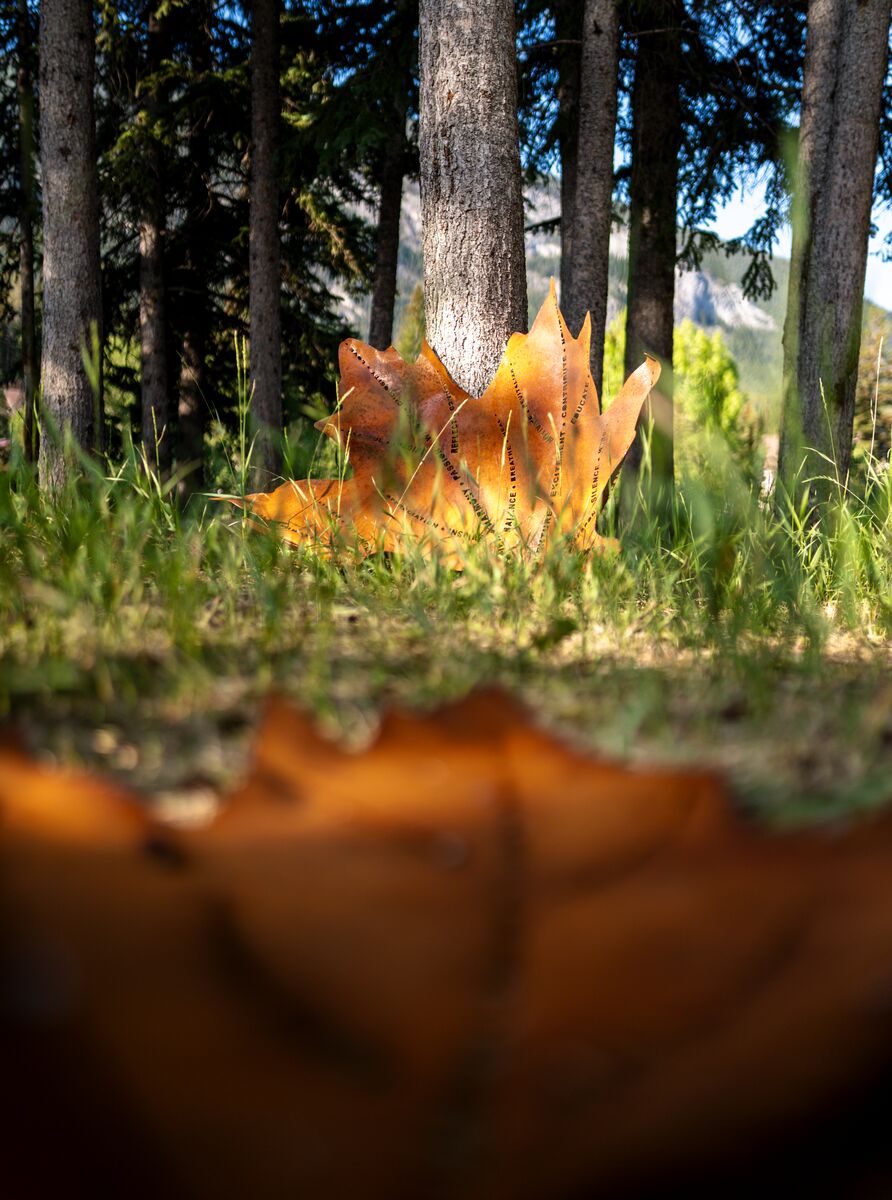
(656, 142)
(593, 206)
(388, 245)
(845, 65)
(193, 402)
(471, 200)
(156, 434)
(154, 379)
(71, 279)
(190, 413)
(26, 227)
(265, 253)
(568, 31)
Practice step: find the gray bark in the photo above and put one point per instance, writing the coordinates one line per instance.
(26, 227)
(656, 142)
(265, 252)
(593, 206)
(154, 382)
(471, 199)
(71, 287)
(193, 403)
(845, 64)
(388, 241)
(154, 379)
(568, 28)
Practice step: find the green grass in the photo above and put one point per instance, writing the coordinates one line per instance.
(140, 639)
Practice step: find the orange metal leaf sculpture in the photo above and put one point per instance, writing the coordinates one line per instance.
(529, 459)
(467, 962)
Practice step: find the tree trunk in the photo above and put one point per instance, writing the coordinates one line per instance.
(190, 413)
(656, 143)
(71, 280)
(26, 227)
(387, 252)
(193, 403)
(568, 31)
(845, 64)
(154, 380)
(265, 255)
(593, 206)
(471, 200)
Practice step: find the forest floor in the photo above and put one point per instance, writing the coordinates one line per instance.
(799, 740)
(141, 644)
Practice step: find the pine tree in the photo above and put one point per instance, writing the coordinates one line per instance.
(472, 205)
(653, 194)
(71, 291)
(205, 215)
(591, 216)
(398, 61)
(845, 67)
(371, 118)
(25, 88)
(264, 247)
(195, 398)
(157, 436)
(569, 21)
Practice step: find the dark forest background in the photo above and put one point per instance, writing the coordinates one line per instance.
(175, 87)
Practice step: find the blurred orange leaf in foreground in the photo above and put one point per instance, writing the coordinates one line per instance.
(530, 458)
(468, 961)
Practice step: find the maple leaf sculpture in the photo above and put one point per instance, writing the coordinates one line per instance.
(467, 962)
(527, 460)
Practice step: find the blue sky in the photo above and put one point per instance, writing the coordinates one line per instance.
(747, 205)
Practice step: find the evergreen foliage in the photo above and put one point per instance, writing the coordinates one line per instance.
(321, 238)
(741, 82)
(714, 420)
(11, 52)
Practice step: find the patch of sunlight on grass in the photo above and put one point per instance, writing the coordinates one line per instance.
(140, 638)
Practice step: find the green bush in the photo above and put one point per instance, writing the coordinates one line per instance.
(713, 419)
